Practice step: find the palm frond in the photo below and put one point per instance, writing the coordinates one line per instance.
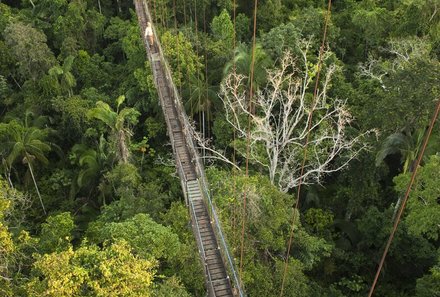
(68, 63)
(119, 101)
(103, 112)
(15, 153)
(393, 144)
(128, 115)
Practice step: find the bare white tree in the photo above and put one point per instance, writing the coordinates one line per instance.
(406, 49)
(402, 52)
(279, 125)
(373, 69)
(211, 153)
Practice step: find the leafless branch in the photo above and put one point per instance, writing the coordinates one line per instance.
(204, 143)
(279, 124)
(165, 161)
(372, 69)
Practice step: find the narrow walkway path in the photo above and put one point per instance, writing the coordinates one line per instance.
(217, 280)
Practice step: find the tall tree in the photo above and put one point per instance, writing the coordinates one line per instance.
(113, 270)
(242, 61)
(26, 144)
(29, 49)
(407, 81)
(63, 76)
(7, 246)
(118, 121)
(181, 56)
(279, 125)
(423, 205)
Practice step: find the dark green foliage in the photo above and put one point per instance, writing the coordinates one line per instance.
(83, 148)
(429, 285)
(280, 39)
(29, 49)
(268, 220)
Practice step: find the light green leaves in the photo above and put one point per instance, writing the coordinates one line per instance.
(90, 271)
(23, 142)
(423, 205)
(120, 100)
(56, 233)
(147, 238)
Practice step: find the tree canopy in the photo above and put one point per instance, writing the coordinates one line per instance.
(90, 202)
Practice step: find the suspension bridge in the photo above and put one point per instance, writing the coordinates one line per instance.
(220, 274)
(221, 277)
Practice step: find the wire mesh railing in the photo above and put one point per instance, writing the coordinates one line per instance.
(224, 249)
(201, 248)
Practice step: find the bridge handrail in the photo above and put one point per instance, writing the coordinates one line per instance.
(200, 245)
(227, 253)
(183, 179)
(150, 57)
(190, 141)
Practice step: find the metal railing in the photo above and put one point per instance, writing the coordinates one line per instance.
(201, 248)
(226, 254)
(179, 166)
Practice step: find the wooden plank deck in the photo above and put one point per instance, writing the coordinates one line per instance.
(217, 281)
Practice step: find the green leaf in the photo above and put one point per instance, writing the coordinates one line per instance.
(120, 100)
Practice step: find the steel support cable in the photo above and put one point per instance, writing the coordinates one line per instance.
(234, 191)
(184, 12)
(187, 68)
(309, 125)
(163, 8)
(179, 69)
(405, 199)
(154, 12)
(206, 104)
(198, 89)
(175, 15)
(251, 78)
(166, 13)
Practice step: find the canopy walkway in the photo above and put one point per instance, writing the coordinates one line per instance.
(220, 274)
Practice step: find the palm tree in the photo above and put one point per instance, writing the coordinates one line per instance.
(92, 165)
(200, 100)
(27, 144)
(407, 144)
(243, 60)
(63, 76)
(118, 122)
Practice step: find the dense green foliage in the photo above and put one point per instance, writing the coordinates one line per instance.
(89, 206)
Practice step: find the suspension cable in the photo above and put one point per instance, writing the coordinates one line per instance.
(163, 13)
(198, 90)
(190, 91)
(167, 19)
(234, 192)
(309, 125)
(206, 105)
(179, 72)
(408, 191)
(175, 15)
(184, 12)
(154, 12)
(179, 69)
(248, 134)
